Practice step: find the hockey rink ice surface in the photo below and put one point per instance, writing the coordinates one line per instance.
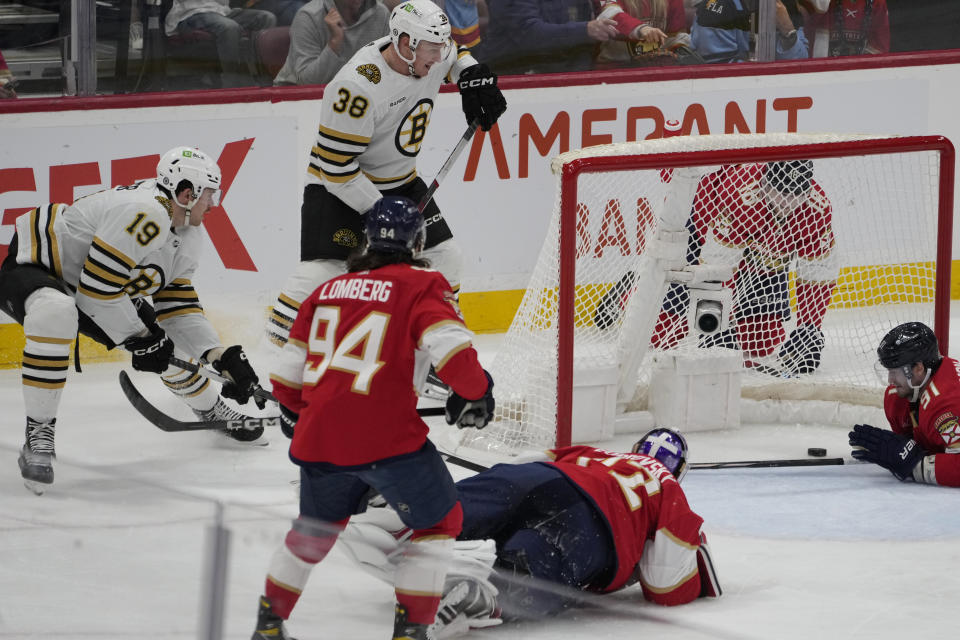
(115, 548)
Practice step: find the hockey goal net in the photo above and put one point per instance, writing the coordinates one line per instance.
(831, 239)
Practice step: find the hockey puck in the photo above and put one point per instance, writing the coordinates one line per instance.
(816, 452)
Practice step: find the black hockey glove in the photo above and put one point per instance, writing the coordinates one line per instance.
(482, 101)
(150, 353)
(288, 420)
(800, 353)
(471, 413)
(896, 453)
(233, 364)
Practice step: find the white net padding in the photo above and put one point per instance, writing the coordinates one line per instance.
(831, 246)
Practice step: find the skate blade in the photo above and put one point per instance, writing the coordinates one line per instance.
(36, 487)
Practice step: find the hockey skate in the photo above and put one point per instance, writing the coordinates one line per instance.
(435, 388)
(221, 411)
(269, 625)
(37, 455)
(466, 604)
(403, 630)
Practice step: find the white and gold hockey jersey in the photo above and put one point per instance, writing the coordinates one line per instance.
(116, 245)
(373, 121)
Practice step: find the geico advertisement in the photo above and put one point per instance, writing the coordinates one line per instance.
(498, 198)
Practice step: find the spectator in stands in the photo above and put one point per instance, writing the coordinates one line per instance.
(326, 33)
(283, 10)
(6, 80)
(721, 30)
(849, 28)
(464, 18)
(227, 26)
(533, 36)
(651, 32)
(923, 25)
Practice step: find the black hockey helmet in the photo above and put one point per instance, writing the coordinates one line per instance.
(394, 224)
(790, 176)
(907, 344)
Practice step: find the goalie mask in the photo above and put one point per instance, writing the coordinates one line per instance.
(422, 21)
(394, 225)
(193, 166)
(787, 183)
(904, 346)
(667, 446)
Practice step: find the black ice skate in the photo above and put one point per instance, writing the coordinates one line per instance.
(435, 388)
(220, 411)
(37, 455)
(403, 630)
(269, 625)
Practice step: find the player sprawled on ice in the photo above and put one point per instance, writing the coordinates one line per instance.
(373, 121)
(361, 345)
(90, 267)
(760, 219)
(922, 404)
(579, 520)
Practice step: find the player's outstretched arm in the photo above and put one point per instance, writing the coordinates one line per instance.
(483, 103)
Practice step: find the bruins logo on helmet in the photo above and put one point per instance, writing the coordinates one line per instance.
(370, 72)
(346, 238)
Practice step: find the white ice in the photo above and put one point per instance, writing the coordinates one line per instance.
(116, 547)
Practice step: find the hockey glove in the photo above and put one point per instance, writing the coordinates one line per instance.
(896, 453)
(288, 420)
(800, 353)
(150, 353)
(482, 101)
(471, 413)
(234, 365)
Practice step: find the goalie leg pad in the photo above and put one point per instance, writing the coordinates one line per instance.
(709, 585)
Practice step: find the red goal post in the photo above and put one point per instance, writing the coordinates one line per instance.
(867, 181)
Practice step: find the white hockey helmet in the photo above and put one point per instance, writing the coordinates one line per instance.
(194, 166)
(422, 20)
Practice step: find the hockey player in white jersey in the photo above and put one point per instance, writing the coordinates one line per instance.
(91, 267)
(373, 120)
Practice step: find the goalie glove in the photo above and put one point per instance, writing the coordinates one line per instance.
(471, 413)
(897, 454)
(482, 101)
(233, 364)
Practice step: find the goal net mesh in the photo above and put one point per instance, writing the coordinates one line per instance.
(829, 247)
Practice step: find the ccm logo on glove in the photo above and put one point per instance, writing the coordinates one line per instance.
(478, 82)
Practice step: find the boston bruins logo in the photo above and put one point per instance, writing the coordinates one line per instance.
(370, 72)
(413, 128)
(148, 280)
(346, 238)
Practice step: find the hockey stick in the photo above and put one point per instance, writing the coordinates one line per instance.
(743, 464)
(164, 422)
(447, 165)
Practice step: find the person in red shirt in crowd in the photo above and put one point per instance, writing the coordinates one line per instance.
(7, 83)
(758, 219)
(651, 32)
(577, 519)
(922, 405)
(361, 345)
(847, 27)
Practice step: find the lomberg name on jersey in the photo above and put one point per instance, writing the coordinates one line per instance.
(356, 289)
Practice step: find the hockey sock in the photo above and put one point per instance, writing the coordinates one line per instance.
(50, 324)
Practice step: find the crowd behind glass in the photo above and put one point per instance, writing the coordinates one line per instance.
(150, 45)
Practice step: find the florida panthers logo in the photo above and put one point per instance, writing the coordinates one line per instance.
(413, 128)
(370, 71)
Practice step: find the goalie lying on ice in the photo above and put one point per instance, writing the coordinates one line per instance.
(538, 534)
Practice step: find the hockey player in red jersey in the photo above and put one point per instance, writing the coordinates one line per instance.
(922, 404)
(759, 219)
(360, 346)
(579, 519)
